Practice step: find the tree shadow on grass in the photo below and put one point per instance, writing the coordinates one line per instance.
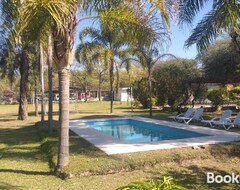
(24, 172)
(81, 146)
(20, 143)
(230, 149)
(32, 155)
(5, 120)
(6, 186)
(18, 136)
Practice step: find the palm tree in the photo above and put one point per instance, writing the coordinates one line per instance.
(224, 16)
(61, 18)
(90, 57)
(50, 85)
(9, 13)
(148, 57)
(108, 45)
(112, 42)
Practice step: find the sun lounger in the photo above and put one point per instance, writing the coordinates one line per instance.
(229, 123)
(188, 113)
(197, 116)
(225, 116)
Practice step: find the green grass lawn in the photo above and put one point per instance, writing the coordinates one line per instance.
(24, 164)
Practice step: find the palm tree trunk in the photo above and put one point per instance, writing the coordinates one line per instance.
(111, 85)
(63, 56)
(35, 96)
(99, 89)
(42, 81)
(117, 81)
(150, 94)
(99, 86)
(24, 68)
(50, 90)
(63, 145)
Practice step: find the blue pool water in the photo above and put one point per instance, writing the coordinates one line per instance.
(133, 131)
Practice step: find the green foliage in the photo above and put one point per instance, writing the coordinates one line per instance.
(167, 183)
(217, 96)
(234, 95)
(220, 62)
(223, 16)
(173, 79)
(199, 91)
(154, 101)
(141, 91)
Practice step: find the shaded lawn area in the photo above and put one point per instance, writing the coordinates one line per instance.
(24, 163)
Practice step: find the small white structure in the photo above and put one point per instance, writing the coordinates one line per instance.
(125, 95)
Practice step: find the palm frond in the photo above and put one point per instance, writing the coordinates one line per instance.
(36, 13)
(162, 7)
(210, 27)
(188, 10)
(135, 23)
(94, 34)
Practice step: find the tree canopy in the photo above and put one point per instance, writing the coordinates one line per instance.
(220, 63)
(172, 80)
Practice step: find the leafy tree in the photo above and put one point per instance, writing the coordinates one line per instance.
(140, 92)
(81, 78)
(198, 91)
(220, 62)
(172, 78)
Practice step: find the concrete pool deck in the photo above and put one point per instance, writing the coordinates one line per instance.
(112, 145)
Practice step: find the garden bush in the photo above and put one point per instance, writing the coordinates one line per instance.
(217, 96)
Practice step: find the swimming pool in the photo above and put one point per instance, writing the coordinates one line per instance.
(133, 131)
(180, 135)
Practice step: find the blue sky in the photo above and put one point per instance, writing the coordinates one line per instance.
(178, 36)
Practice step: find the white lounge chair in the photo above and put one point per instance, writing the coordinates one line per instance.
(196, 117)
(229, 123)
(188, 113)
(224, 117)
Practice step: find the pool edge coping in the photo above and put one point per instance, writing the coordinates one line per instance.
(112, 145)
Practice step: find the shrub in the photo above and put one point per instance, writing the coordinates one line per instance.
(154, 101)
(167, 183)
(140, 92)
(234, 95)
(217, 96)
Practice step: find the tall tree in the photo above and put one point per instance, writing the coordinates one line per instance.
(10, 11)
(220, 63)
(172, 78)
(62, 18)
(50, 83)
(148, 57)
(89, 56)
(108, 45)
(112, 40)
